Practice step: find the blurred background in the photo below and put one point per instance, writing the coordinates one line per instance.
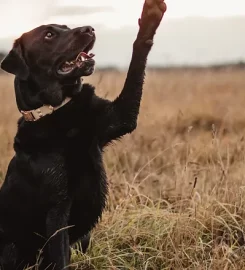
(194, 32)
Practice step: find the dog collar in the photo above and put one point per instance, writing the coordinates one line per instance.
(34, 115)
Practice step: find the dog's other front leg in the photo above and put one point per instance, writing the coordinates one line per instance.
(120, 116)
(57, 232)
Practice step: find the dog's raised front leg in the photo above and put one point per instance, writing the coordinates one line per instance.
(120, 116)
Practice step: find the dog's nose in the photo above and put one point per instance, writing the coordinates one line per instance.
(86, 29)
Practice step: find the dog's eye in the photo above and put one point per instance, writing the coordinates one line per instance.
(49, 35)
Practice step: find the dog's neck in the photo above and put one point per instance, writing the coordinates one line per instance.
(30, 96)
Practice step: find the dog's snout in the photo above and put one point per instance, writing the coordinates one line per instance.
(86, 29)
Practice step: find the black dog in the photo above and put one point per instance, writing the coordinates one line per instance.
(55, 188)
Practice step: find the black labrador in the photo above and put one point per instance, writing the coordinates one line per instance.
(55, 188)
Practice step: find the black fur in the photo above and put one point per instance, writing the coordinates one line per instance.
(55, 188)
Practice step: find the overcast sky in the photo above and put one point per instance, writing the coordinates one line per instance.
(18, 16)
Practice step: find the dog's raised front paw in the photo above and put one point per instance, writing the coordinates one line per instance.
(151, 16)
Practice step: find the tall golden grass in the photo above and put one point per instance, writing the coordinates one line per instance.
(177, 184)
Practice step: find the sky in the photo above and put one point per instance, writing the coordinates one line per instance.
(22, 15)
(112, 13)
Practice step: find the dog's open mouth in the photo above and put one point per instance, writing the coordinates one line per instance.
(69, 66)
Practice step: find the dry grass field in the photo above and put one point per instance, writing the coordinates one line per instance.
(177, 184)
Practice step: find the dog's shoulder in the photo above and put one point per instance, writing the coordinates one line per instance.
(90, 102)
(89, 97)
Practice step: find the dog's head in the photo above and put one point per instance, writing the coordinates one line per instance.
(53, 51)
(48, 62)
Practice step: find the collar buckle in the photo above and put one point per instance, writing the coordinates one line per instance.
(28, 116)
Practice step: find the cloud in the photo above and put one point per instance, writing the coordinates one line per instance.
(80, 10)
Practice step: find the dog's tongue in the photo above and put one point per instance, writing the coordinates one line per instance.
(85, 55)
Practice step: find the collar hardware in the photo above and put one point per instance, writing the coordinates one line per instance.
(37, 114)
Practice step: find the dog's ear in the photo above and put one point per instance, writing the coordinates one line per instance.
(15, 63)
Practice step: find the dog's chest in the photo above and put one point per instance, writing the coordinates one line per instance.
(85, 170)
(87, 184)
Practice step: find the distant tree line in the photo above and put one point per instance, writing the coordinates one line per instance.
(234, 65)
